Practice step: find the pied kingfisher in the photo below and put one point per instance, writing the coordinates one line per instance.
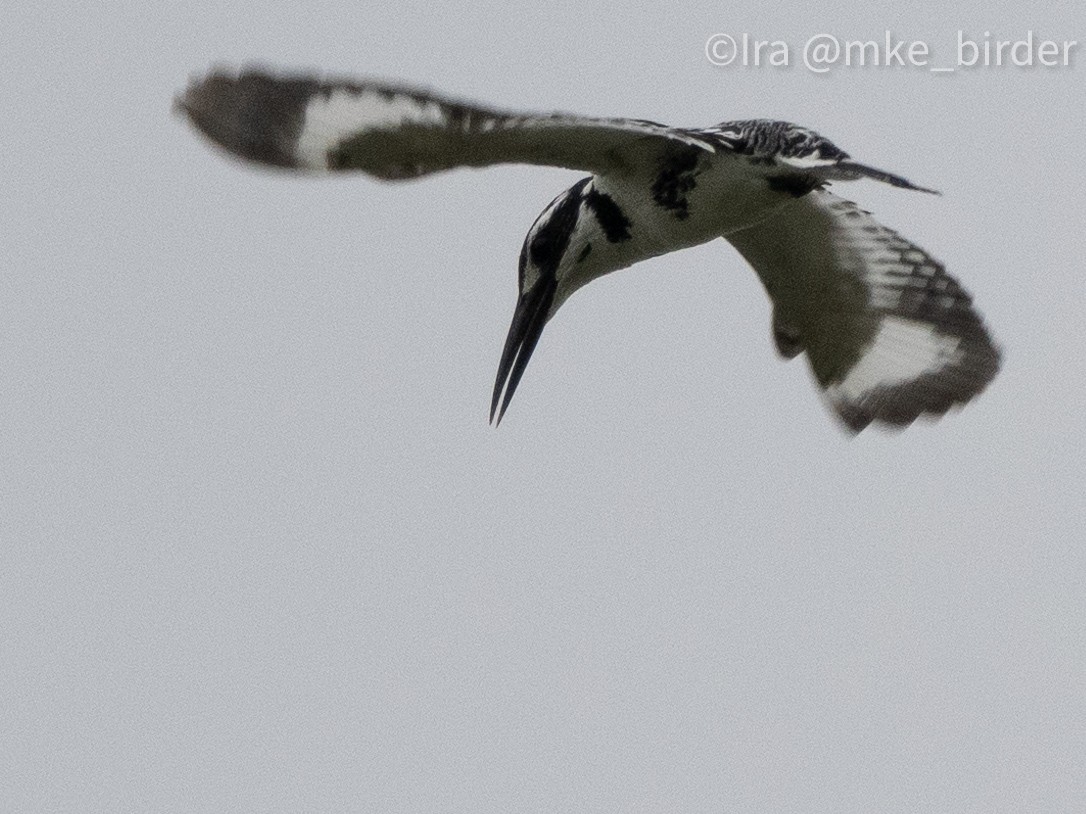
(888, 333)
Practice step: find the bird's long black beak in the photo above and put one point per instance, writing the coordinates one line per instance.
(528, 320)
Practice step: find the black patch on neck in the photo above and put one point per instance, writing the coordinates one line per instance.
(796, 185)
(613, 221)
(676, 178)
(551, 240)
(584, 252)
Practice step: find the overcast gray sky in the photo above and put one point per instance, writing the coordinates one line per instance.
(261, 550)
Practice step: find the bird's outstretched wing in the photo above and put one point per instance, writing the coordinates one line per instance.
(396, 133)
(889, 334)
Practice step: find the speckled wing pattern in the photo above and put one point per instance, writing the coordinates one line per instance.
(395, 133)
(890, 336)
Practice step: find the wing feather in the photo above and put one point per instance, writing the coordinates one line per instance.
(394, 132)
(890, 335)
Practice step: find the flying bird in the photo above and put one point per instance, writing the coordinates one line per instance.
(889, 335)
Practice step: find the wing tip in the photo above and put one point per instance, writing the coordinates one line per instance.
(252, 113)
(928, 397)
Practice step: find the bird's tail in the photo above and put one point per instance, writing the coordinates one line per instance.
(849, 170)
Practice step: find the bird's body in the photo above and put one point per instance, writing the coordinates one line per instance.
(619, 222)
(890, 336)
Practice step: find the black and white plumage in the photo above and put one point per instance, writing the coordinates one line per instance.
(890, 336)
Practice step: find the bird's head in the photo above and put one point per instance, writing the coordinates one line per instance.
(549, 260)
